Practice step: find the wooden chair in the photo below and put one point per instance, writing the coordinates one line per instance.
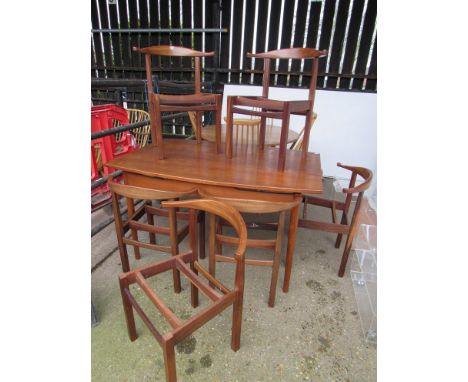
(347, 226)
(253, 202)
(141, 134)
(187, 264)
(197, 102)
(276, 109)
(165, 190)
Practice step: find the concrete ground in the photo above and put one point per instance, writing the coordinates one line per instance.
(312, 334)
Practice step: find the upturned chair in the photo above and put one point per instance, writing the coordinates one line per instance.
(252, 202)
(268, 108)
(141, 134)
(198, 102)
(348, 224)
(165, 190)
(187, 263)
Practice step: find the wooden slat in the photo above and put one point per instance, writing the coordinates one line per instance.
(314, 19)
(176, 38)
(366, 40)
(288, 18)
(106, 36)
(261, 31)
(97, 36)
(209, 38)
(166, 62)
(224, 49)
(155, 38)
(301, 17)
(144, 317)
(210, 278)
(352, 40)
(187, 38)
(248, 37)
(154, 247)
(327, 23)
(335, 53)
(258, 263)
(137, 59)
(236, 27)
(192, 277)
(371, 84)
(125, 39)
(200, 319)
(144, 22)
(173, 320)
(322, 226)
(114, 23)
(251, 243)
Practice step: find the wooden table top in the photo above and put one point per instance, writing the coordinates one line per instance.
(185, 160)
(245, 133)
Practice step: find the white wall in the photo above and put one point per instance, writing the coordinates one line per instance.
(345, 130)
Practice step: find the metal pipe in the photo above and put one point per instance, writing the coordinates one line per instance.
(162, 30)
(104, 179)
(131, 126)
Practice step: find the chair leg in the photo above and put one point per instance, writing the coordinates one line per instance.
(194, 289)
(340, 235)
(174, 247)
(128, 310)
(201, 233)
(283, 138)
(349, 243)
(304, 209)
(276, 259)
(219, 101)
(219, 230)
(169, 361)
(344, 258)
(212, 246)
(131, 211)
(150, 219)
(237, 320)
(228, 144)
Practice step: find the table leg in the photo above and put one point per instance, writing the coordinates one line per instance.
(130, 212)
(293, 222)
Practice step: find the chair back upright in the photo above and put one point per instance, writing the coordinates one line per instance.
(226, 212)
(198, 102)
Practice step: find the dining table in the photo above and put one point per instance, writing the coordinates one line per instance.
(249, 169)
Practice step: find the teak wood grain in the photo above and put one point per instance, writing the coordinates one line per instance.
(250, 169)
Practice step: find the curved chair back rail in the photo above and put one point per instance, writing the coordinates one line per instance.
(173, 51)
(165, 192)
(290, 53)
(251, 201)
(223, 210)
(363, 172)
